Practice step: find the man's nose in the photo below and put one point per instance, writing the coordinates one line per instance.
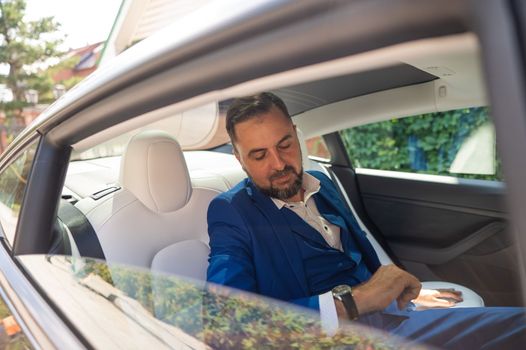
(277, 162)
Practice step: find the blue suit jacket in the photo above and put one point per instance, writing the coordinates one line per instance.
(254, 245)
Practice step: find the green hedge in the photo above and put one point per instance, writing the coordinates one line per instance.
(424, 143)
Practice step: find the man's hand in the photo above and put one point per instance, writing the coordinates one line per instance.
(387, 284)
(437, 298)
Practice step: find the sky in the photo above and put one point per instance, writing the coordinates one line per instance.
(84, 22)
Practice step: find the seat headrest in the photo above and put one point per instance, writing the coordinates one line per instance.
(153, 168)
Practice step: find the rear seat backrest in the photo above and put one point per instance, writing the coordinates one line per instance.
(155, 209)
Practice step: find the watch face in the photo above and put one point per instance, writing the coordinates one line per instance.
(341, 289)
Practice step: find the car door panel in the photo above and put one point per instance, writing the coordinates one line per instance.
(450, 229)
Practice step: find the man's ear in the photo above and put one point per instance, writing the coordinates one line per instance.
(236, 153)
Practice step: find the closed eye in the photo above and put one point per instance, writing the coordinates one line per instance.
(285, 146)
(259, 155)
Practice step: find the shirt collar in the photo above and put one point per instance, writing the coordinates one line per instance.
(311, 186)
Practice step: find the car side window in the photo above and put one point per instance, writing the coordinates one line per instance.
(316, 147)
(458, 143)
(13, 181)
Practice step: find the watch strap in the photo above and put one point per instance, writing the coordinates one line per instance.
(350, 305)
(344, 294)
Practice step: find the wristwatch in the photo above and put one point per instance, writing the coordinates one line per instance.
(343, 293)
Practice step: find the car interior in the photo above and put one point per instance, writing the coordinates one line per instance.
(122, 167)
(137, 192)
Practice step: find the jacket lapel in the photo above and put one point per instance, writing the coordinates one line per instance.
(327, 201)
(281, 232)
(328, 213)
(300, 227)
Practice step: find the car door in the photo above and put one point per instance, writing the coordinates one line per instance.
(430, 188)
(467, 206)
(465, 230)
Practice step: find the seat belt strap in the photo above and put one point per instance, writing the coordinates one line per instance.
(83, 233)
(347, 201)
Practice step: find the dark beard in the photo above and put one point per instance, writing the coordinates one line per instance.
(284, 193)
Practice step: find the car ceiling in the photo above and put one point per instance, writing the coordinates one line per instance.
(399, 80)
(304, 97)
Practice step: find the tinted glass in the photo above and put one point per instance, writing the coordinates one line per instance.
(316, 147)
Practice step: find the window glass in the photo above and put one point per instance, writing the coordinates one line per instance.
(459, 142)
(13, 181)
(123, 307)
(316, 147)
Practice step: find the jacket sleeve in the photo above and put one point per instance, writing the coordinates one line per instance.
(231, 260)
(312, 302)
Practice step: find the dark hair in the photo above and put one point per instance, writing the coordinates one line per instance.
(244, 108)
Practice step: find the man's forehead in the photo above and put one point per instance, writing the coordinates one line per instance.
(266, 127)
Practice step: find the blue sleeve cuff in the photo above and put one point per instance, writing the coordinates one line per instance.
(309, 302)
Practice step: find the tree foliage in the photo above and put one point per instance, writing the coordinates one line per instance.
(24, 45)
(426, 143)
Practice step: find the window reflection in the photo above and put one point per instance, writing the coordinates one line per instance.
(111, 304)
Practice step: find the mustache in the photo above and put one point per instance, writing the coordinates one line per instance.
(287, 170)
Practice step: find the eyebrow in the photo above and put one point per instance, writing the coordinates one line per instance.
(256, 150)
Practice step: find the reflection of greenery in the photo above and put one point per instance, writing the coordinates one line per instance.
(92, 266)
(223, 319)
(426, 143)
(19, 342)
(4, 311)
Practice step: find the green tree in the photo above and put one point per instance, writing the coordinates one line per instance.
(24, 45)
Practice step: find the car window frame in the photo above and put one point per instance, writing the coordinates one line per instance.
(499, 24)
(45, 181)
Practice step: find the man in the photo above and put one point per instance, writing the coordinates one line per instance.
(286, 233)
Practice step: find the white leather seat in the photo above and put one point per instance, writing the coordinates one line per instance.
(158, 218)
(187, 258)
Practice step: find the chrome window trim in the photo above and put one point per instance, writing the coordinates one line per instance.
(443, 179)
(42, 326)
